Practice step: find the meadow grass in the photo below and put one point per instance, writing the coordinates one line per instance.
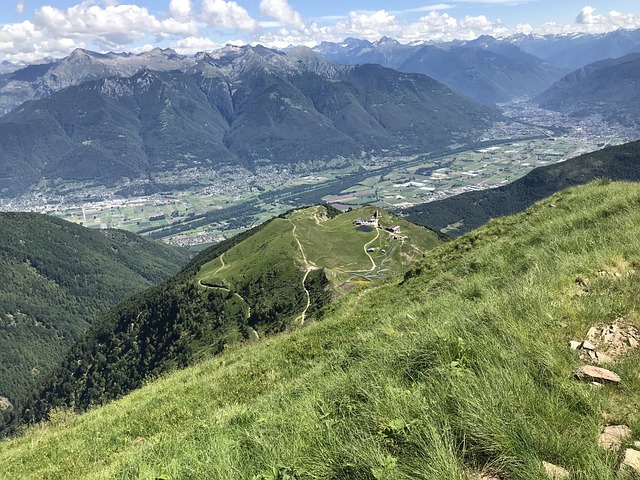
(461, 368)
(333, 244)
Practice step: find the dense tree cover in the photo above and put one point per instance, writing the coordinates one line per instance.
(168, 326)
(474, 209)
(55, 277)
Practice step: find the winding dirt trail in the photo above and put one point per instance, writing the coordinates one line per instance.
(309, 268)
(366, 245)
(225, 289)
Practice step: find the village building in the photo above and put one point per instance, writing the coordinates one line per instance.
(371, 221)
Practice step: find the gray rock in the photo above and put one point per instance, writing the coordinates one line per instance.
(597, 374)
(612, 436)
(593, 334)
(554, 471)
(603, 358)
(587, 345)
(574, 345)
(631, 460)
(5, 404)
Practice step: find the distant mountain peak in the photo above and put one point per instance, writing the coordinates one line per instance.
(386, 41)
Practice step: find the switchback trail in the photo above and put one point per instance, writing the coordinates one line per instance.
(309, 268)
(225, 289)
(366, 245)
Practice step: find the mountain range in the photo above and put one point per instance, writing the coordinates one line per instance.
(19, 83)
(242, 106)
(55, 278)
(486, 70)
(575, 50)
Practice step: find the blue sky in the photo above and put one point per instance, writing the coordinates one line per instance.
(32, 29)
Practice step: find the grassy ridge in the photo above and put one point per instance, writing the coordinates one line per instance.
(460, 369)
(263, 281)
(334, 245)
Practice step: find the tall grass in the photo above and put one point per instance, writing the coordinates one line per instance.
(461, 368)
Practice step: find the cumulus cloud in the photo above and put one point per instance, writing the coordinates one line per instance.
(180, 9)
(602, 23)
(283, 12)
(112, 27)
(189, 26)
(221, 14)
(24, 42)
(369, 24)
(427, 8)
(191, 45)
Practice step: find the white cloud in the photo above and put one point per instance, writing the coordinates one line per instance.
(180, 9)
(189, 26)
(191, 45)
(283, 12)
(586, 15)
(230, 15)
(112, 27)
(593, 23)
(23, 41)
(369, 24)
(427, 8)
(444, 27)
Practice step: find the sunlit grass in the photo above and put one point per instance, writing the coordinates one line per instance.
(460, 369)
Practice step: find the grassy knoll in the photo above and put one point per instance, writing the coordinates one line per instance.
(461, 369)
(334, 245)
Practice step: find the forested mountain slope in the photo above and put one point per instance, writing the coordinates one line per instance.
(266, 280)
(609, 88)
(243, 106)
(55, 276)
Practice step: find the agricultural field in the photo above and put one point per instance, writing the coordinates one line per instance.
(478, 169)
(196, 208)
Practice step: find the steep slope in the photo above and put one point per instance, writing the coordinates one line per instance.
(242, 105)
(463, 370)
(486, 70)
(487, 75)
(55, 277)
(462, 213)
(266, 280)
(609, 88)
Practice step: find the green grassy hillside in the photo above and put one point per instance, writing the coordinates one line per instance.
(263, 281)
(461, 371)
(54, 277)
(310, 240)
(294, 257)
(462, 213)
